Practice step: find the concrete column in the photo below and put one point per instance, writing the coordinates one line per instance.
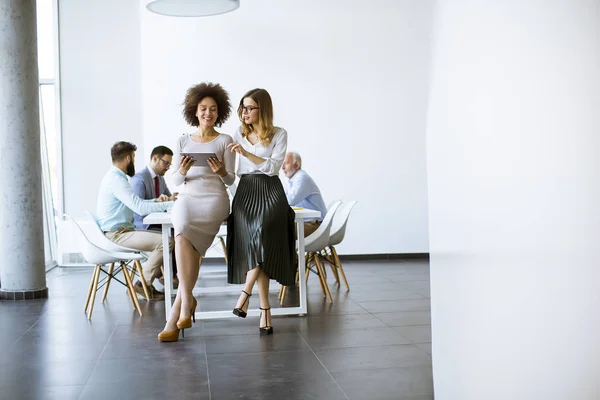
(514, 200)
(22, 269)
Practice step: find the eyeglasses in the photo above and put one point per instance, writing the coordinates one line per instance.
(167, 164)
(248, 109)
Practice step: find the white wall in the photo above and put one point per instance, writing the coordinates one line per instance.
(514, 188)
(349, 83)
(100, 91)
(348, 80)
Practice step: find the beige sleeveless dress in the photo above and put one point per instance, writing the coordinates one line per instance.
(203, 202)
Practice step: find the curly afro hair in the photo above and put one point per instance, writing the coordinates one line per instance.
(195, 94)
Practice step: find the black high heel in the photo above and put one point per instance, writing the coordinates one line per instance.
(239, 311)
(267, 329)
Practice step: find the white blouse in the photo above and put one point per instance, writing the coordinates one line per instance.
(273, 154)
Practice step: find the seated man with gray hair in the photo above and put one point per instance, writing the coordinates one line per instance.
(302, 191)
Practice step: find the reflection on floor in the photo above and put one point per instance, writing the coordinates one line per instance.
(373, 342)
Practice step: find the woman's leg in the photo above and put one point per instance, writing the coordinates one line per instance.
(171, 324)
(251, 277)
(263, 294)
(188, 260)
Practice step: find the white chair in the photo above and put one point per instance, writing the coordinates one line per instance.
(100, 257)
(313, 245)
(338, 231)
(94, 233)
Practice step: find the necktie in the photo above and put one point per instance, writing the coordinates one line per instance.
(156, 194)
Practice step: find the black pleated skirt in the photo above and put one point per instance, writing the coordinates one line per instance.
(260, 231)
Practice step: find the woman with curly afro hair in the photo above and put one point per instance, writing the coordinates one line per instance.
(203, 203)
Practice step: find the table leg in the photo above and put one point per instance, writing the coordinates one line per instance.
(168, 269)
(303, 309)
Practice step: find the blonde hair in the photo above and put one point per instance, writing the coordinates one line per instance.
(265, 129)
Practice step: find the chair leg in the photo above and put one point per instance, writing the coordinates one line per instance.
(224, 249)
(129, 292)
(136, 303)
(308, 260)
(332, 265)
(108, 279)
(283, 293)
(89, 293)
(322, 280)
(138, 266)
(321, 268)
(94, 289)
(338, 264)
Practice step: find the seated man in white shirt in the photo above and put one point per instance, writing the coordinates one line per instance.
(116, 204)
(302, 191)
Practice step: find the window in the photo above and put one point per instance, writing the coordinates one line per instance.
(47, 37)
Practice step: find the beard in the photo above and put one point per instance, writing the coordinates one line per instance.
(131, 169)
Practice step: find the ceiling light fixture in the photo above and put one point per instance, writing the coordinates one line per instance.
(192, 8)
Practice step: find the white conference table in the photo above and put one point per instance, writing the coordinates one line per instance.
(164, 219)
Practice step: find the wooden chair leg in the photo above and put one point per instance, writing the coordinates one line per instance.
(129, 292)
(308, 261)
(108, 279)
(138, 266)
(136, 303)
(283, 289)
(89, 293)
(320, 275)
(332, 265)
(338, 264)
(321, 268)
(283, 293)
(94, 289)
(224, 246)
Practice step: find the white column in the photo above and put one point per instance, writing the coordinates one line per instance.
(513, 147)
(22, 272)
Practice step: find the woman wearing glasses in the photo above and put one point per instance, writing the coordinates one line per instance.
(203, 203)
(260, 229)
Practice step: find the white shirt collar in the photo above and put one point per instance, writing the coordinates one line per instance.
(152, 173)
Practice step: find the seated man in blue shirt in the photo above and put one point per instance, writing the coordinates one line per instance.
(302, 191)
(150, 184)
(116, 204)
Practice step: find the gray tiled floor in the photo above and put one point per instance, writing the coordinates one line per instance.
(373, 342)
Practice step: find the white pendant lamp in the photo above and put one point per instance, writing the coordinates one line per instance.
(192, 8)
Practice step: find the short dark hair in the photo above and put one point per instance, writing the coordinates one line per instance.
(161, 151)
(120, 150)
(194, 96)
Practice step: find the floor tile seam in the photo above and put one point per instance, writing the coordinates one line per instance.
(362, 370)
(99, 357)
(372, 346)
(406, 325)
(389, 301)
(207, 371)
(257, 352)
(325, 368)
(28, 329)
(392, 324)
(359, 305)
(319, 348)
